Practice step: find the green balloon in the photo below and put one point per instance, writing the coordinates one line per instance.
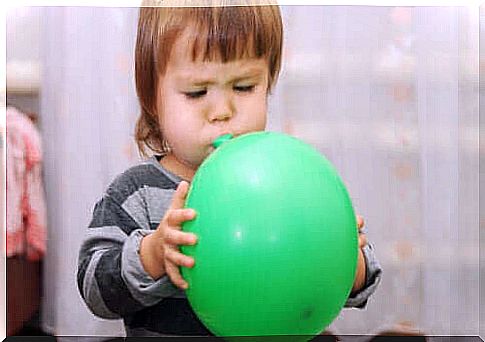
(277, 239)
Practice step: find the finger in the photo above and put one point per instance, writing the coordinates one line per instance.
(173, 273)
(360, 222)
(178, 200)
(178, 258)
(175, 217)
(176, 237)
(362, 240)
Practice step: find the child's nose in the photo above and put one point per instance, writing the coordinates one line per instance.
(222, 110)
(221, 116)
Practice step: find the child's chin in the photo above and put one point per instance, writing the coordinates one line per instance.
(204, 156)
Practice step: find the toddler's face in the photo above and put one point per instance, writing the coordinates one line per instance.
(199, 101)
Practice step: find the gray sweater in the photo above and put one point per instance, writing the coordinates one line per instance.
(110, 276)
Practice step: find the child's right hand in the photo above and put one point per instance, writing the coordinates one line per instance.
(159, 251)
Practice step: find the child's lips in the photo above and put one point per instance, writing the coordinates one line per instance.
(210, 145)
(221, 134)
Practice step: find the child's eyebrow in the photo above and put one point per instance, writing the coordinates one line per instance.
(249, 74)
(253, 76)
(253, 73)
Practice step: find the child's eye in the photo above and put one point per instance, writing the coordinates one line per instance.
(244, 88)
(195, 94)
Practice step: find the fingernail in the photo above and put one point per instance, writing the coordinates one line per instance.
(190, 262)
(190, 214)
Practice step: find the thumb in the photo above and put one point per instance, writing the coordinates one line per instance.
(178, 200)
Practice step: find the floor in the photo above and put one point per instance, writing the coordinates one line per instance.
(32, 328)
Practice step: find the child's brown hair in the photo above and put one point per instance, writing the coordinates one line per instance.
(224, 33)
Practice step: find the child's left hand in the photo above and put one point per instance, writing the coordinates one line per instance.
(360, 273)
(360, 228)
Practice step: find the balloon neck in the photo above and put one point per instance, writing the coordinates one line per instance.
(222, 139)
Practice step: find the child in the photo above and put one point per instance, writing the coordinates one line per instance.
(200, 73)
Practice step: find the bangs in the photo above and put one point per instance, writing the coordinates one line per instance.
(230, 33)
(226, 33)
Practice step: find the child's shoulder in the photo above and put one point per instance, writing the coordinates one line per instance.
(146, 174)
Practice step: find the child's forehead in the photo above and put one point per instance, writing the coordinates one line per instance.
(205, 71)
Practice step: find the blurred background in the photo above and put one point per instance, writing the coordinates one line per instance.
(388, 94)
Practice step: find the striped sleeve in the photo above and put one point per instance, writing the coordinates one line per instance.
(111, 278)
(373, 278)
